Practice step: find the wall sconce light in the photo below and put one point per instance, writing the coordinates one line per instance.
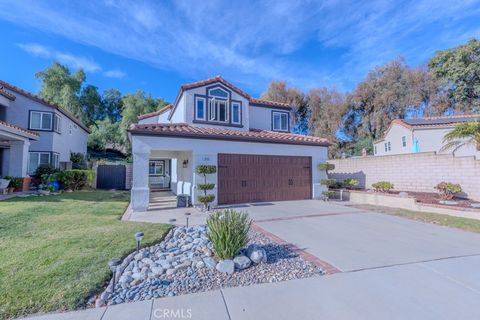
(185, 163)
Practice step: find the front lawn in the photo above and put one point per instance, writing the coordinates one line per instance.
(466, 224)
(54, 249)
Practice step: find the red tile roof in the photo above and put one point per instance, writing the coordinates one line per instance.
(44, 102)
(229, 85)
(155, 113)
(6, 94)
(183, 130)
(29, 133)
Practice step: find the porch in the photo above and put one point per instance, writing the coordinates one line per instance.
(14, 148)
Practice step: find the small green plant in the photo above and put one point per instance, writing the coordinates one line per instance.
(448, 190)
(350, 183)
(326, 166)
(327, 195)
(383, 186)
(15, 182)
(328, 182)
(204, 170)
(228, 232)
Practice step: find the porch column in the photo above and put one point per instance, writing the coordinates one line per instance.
(18, 162)
(140, 193)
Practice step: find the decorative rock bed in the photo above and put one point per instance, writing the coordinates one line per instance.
(184, 263)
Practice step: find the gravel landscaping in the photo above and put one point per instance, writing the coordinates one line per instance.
(184, 263)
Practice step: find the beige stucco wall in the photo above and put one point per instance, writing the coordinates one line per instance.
(412, 172)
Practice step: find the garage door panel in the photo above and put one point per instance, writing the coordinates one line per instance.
(254, 178)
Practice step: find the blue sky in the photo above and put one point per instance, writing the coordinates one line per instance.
(158, 45)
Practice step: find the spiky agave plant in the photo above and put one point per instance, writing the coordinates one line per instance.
(228, 231)
(466, 133)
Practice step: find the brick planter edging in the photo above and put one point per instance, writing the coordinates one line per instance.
(325, 266)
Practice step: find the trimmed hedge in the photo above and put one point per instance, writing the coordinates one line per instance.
(383, 186)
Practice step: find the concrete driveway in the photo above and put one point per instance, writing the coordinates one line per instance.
(353, 239)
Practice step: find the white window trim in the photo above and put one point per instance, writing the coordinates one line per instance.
(204, 108)
(239, 113)
(221, 89)
(157, 162)
(55, 164)
(30, 171)
(57, 123)
(274, 113)
(42, 114)
(214, 108)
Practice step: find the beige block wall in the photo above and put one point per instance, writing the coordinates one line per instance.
(412, 172)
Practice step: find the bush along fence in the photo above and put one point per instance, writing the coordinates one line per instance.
(412, 172)
(50, 179)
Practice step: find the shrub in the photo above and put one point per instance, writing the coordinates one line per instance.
(228, 232)
(45, 170)
(383, 186)
(204, 169)
(15, 182)
(76, 179)
(350, 183)
(328, 194)
(206, 186)
(328, 182)
(448, 190)
(78, 160)
(326, 166)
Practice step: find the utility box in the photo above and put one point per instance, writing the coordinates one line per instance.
(183, 200)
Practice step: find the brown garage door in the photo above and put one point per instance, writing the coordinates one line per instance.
(255, 178)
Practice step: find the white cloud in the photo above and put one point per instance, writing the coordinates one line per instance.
(70, 60)
(117, 74)
(251, 42)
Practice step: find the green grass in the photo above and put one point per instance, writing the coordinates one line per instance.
(54, 250)
(466, 224)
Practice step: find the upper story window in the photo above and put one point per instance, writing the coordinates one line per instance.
(389, 146)
(236, 112)
(218, 110)
(41, 120)
(386, 147)
(200, 112)
(57, 123)
(375, 150)
(217, 92)
(279, 121)
(404, 141)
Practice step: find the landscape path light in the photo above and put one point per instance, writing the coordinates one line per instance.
(138, 237)
(113, 265)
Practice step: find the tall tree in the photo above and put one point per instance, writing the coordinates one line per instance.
(279, 91)
(112, 99)
(91, 105)
(137, 104)
(391, 91)
(61, 87)
(458, 71)
(106, 134)
(327, 109)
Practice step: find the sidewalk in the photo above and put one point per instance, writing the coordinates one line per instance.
(439, 289)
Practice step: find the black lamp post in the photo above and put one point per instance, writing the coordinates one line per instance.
(138, 237)
(172, 221)
(113, 265)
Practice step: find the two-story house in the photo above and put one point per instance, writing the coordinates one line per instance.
(249, 140)
(422, 135)
(34, 131)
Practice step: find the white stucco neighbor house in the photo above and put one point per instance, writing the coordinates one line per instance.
(422, 135)
(34, 131)
(258, 158)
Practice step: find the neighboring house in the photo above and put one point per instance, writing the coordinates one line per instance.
(249, 140)
(34, 131)
(422, 135)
